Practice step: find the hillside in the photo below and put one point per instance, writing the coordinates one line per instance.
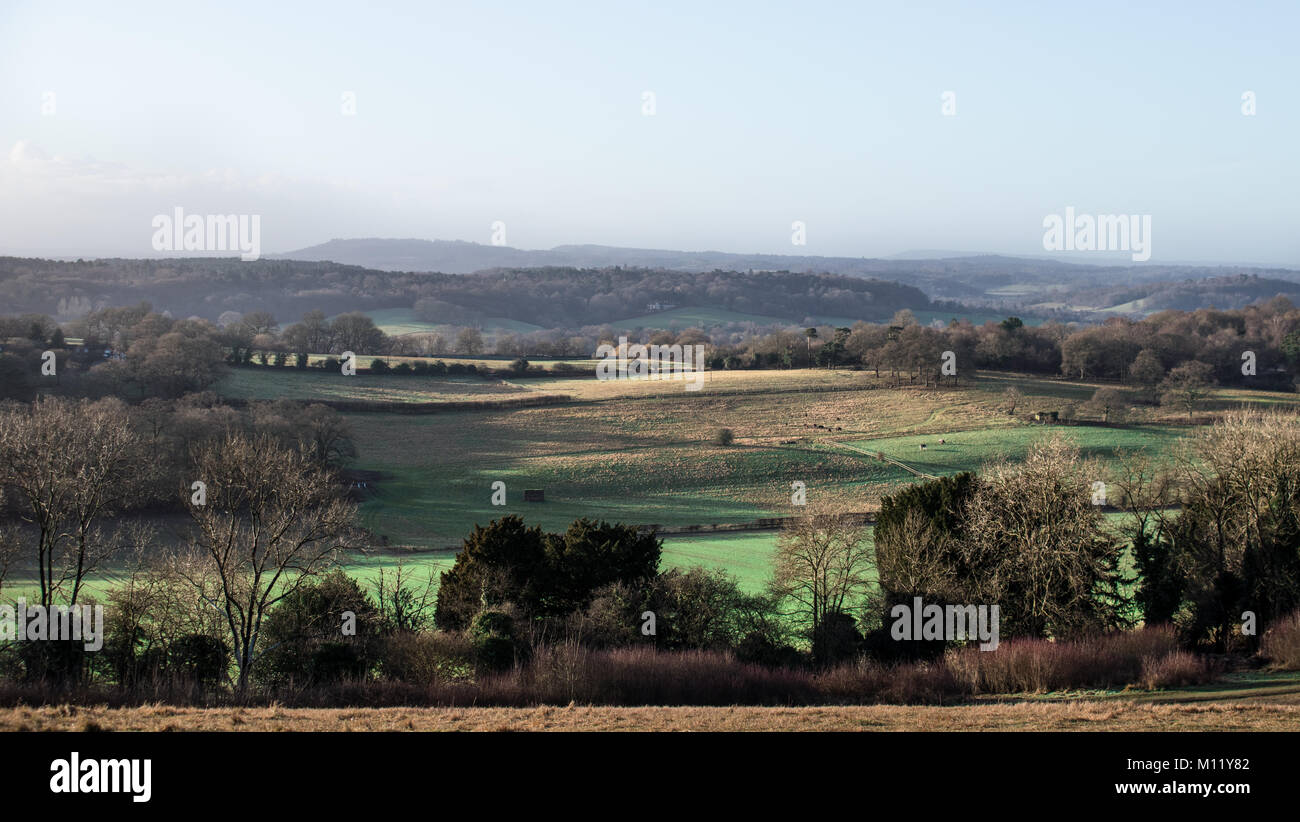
(1046, 287)
(548, 297)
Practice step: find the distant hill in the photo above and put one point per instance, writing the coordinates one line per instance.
(549, 297)
(984, 280)
(1222, 292)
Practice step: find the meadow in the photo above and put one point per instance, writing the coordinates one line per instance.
(643, 452)
(397, 321)
(315, 385)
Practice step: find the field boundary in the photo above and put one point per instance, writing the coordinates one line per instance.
(398, 407)
(760, 524)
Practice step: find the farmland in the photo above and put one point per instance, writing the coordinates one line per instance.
(398, 321)
(642, 452)
(315, 385)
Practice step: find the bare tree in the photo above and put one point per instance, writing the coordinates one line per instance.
(1011, 398)
(272, 521)
(1186, 386)
(404, 603)
(73, 464)
(919, 559)
(824, 566)
(1110, 403)
(1053, 569)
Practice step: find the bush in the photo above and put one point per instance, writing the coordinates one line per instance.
(723, 436)
(428, 657)
(1280, 645)
(641, 675)
(1174, 669)
(697, 608)
(1033, 665)
(492, 635)
(302, 638)
(544, 574)
(199, 658)
(378, 367)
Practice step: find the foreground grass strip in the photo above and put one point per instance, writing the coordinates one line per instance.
(1024, 716)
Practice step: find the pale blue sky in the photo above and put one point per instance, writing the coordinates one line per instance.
(530, 113)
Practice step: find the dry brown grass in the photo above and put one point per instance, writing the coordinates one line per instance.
(1114, 715)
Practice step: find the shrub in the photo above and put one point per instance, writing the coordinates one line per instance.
(199, 658)
(1280, 644)
(723, 436)
(302, 636)
(1174, 669)
(492, 634)
(644, 676)
(1032, 665)
(544, 574)
(427, 657)
(378, 366)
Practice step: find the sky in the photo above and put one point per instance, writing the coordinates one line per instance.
(534, 115)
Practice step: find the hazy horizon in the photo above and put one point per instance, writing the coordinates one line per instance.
(536, 120)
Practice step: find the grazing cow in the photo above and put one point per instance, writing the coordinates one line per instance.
(922, 446)
(943, 442)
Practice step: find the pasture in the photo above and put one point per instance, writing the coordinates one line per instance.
(398, 321)
(315, 385)
(643, 452)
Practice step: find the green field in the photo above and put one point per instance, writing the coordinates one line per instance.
(968, 450)
(648, 457)
(691, 317)
(746, 556)
(398, 321)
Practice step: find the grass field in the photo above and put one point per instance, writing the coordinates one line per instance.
(1264, 713)
(691, 317)
(315, 384)
(644, 460)
(968, 450)
(642, 452)
(398, 321)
